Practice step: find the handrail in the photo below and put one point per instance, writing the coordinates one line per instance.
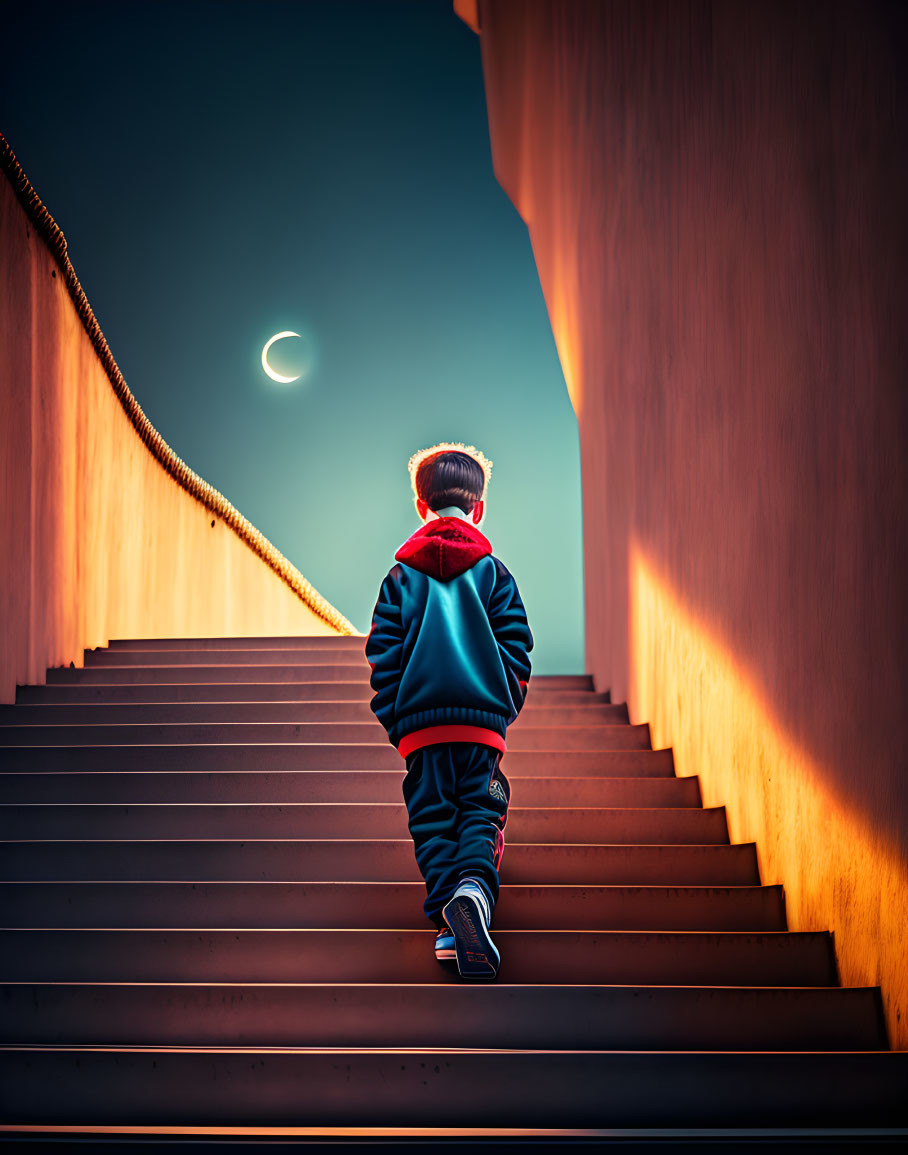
(195, 485)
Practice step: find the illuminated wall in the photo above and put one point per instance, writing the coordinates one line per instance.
(715, 195)
(97, 539)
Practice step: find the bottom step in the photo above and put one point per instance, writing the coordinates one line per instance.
(326, 1087)
(456, 1140)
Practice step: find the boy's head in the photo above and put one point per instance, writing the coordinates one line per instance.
(450, 475)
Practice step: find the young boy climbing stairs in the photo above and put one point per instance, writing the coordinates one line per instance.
(449, 652)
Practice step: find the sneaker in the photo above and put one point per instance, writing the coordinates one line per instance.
(468, 915)
(444, 946)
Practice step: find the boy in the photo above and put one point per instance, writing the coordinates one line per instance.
(448, 648)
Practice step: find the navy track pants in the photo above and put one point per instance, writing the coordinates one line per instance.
(457, 801)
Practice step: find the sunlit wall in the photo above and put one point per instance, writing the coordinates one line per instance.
(97, 541)
(715, 196)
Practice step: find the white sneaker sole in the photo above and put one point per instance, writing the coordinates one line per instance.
(477, 955)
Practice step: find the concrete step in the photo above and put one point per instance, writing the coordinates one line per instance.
(254, 1140)
(310, 656)
(325, 756)
(316, 642)
(254, 691)
(422, 1015)
(325, 786)
(168, 675)
(438, 1087)
(81, 714)
(345, 860)
(251, 672)
(383, 905)
(622, 737)
(93, 820)
(696, 958)
(257, 691)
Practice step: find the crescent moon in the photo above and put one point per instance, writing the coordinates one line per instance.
(271, 373)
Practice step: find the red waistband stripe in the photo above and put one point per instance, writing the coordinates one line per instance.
(433, 734)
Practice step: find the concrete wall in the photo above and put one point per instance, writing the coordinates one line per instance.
(715, 195)
(97, 540)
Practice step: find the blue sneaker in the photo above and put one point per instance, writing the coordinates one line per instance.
(444, 946)
(468, 915)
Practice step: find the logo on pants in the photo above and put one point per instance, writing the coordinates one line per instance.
(497, 792)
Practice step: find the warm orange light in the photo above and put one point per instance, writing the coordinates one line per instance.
(399, 1132)
(565, 308)
(840, 873)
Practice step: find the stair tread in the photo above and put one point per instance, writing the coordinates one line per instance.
(94, 712)
(311, 786)
(629, 824)
(588, 738)
(384, 905)
(264, 671)
(372, 1086)
(318, 756)
(774, 957)
(275, 641)
(894, 1056)
(254, 691)
(294, 859)
(424, 1014)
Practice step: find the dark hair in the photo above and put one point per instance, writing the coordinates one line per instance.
(450, 478)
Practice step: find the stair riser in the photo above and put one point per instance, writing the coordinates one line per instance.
(330, 786)
(339, 642)
(167, 675)
(60, 714)
(382, 905)
(120, 660)
(378, 820)
(616, 957)
(370, 861)
(435, 1088)
(501, 1016)
(251, 672)
(624, 737)
(255, 691)
(312, 656)
(290, 756)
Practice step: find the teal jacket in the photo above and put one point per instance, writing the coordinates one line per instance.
(449, 643)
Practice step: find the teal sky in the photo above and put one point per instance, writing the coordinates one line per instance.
(223, 171)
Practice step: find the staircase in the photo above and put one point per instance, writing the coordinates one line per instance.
(212, 923)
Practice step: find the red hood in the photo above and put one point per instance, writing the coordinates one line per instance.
(444, 548)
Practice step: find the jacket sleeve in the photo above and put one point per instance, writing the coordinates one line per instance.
(508, 620)
(384, 650)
